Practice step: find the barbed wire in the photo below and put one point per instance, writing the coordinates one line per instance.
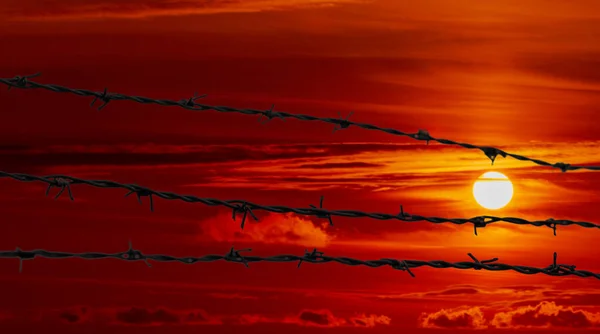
(23, 82)
(245, 208)
(313, 256)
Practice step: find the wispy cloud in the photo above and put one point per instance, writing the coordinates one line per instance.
(106, 9)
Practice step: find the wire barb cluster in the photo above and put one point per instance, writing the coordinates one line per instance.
(247, 208)
(312, 257)
(340, 123)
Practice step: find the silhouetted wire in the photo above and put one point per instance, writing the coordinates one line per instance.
(245, 208)
(313, 256)
(23, 82)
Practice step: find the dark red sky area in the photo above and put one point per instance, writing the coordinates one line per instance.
(523, 76)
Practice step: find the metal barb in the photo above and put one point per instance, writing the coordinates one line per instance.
(342, 123)
(142, 192)
(479, 264)
(478, 222)
(269, 114)
(22, 257)
(59, 183)
(235, 256)
(423, 135)
(314, 255)
(559, 269)
(562, 166)
(104, 97)
(407, 268)
(135, 255)
(245, 209)
(399, 265)
(552, 224)
(492, 153)
(20, 81)
(403, 215)
(191, 102)
(322, 215)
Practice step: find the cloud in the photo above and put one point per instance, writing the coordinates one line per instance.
(573, 297)
(318, 318)
(200, 317)
(546, 315)
(465, 293)
(103, 9)
(340, 165)
(454, 292)
(364, 320)
(575, 67)
(463, 317)
(271, 229)
(140, 316)
(151, 155)
(522, 288)
(71, 315)
(325, 318)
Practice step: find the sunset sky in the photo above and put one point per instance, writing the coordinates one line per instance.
(520, 75)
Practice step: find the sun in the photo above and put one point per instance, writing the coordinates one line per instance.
(493, 190)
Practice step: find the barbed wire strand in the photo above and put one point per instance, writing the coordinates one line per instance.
(314, 256)
(340, 123)
(64, 182)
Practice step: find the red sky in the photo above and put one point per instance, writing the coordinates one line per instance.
(523, 76)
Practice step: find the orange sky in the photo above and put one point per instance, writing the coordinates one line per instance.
(522, 76)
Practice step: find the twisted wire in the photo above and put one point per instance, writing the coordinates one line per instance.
(340, 123)
(311, 257)
(245, 208)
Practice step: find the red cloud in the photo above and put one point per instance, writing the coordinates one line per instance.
(78, 10)
(546, 315)
(324, 318)
(462, 317)
(272, 229)
(71, 315)
(320, 318)
(312, 318)
(371, 320)
(140, 316)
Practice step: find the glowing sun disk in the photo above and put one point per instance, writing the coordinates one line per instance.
(493, 190)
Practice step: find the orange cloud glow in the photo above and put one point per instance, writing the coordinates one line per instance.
(543, 315)
(456, 318)
(546, 315)
(271, 229)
